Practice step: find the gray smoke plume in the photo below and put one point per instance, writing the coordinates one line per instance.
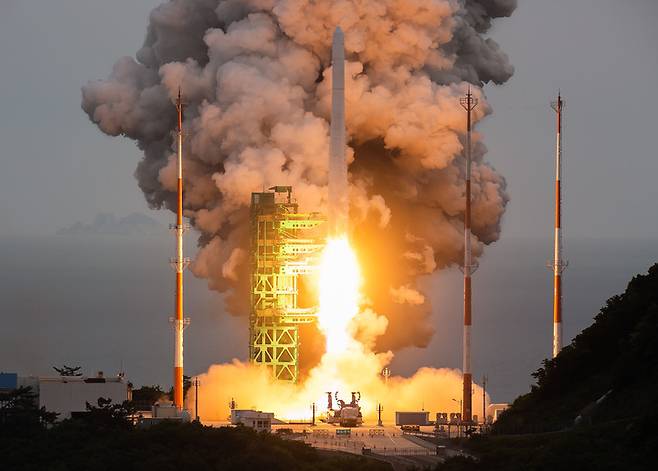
(256, 78)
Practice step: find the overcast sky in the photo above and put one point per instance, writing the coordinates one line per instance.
(58, 168)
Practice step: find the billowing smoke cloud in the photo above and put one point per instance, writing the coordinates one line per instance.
(256, 79)
(428, 389)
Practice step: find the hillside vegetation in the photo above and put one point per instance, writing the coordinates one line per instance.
(617, 355)
(105, 440)
(594, 406)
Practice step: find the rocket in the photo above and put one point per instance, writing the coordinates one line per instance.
(558, 264)
(338, 206)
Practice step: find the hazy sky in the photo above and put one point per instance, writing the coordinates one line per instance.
(58, 168)
(603, 55)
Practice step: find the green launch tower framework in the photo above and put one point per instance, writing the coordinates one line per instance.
(285, 245)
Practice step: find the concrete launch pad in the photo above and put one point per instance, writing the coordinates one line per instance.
(387, 443)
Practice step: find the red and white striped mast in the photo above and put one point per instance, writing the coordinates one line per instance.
(469, 103)
(179, 263)
(558, 264)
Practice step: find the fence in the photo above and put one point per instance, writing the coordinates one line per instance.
(417, 451)
(358, 447)
(352, 446)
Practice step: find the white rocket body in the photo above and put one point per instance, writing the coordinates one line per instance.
(338, 206)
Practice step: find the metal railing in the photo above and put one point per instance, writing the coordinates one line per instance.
(359, 447)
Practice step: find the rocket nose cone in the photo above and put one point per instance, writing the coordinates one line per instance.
(338, 45)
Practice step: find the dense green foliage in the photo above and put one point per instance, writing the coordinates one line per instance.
(612, 446)
(146, 396)
(594, 406)
(618, 353)
(104, 439)
(19, 414)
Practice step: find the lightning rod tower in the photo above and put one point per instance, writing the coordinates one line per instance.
(558, 264)
(179, 263)
(468, 103)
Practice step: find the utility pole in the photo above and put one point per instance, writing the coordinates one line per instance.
(196, 398)
(468, 103)
(484, 400)
(313, 411)
(379, 415)
(558, 264)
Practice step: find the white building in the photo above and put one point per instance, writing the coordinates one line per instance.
(258, 420)
(69, 395)
(494, 411)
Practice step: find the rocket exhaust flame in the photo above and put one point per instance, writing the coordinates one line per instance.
(340, 281)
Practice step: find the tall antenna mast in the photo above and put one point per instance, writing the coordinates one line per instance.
(179, 263)
(468, 103)
(558, 264)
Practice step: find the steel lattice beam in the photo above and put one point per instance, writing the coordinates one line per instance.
(284, 245)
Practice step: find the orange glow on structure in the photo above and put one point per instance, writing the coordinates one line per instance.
(349, 364)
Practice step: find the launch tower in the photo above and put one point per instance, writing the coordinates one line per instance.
(285, 245)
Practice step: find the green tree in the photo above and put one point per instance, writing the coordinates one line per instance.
(19, 411)
(144, 397)
(106, 416)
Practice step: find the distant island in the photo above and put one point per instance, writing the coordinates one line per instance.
(109, 224)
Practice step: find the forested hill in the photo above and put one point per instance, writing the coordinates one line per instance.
(614, 362)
